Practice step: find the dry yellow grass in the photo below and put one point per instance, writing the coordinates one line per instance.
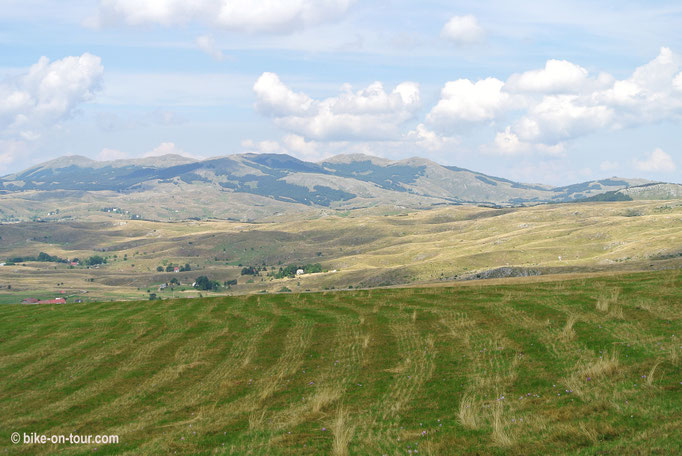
(607, 298)
(399, 250)
(567, 334)
(650, 377)
(469, 412)
(500, 436)
(324, 398)
(343, 432)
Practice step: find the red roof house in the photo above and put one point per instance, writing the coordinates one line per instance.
(53, 301)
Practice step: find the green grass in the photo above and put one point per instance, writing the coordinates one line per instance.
(535, 368)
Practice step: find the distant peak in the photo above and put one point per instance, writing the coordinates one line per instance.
(350, 158)
(68, 160)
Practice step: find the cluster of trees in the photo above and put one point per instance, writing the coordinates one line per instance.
(171, 267)
(253, 270)
(290, 270)
(94, 260)
(287, 271)
(204, 283)
(42, 256)
(46, 258)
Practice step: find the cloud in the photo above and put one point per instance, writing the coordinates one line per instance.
(609, 165)
(262, 147)
(507, 143)
(677, 82)
(292, 144)
(10, 150)
(562, 102)
(562, 117)
(463, 30)
(656, 161)
(558, 76)
(466, 101)
(254, 16)
(47, 93)
(207, 44)
(111, 154)
(430, 140)
(166, 148)
(300, 147)
(368, 114)
(571, 104)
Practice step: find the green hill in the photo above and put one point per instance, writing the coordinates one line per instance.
(572, 367)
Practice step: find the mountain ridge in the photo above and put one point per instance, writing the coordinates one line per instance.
(228, 186)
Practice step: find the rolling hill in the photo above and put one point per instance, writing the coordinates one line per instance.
(257, 186)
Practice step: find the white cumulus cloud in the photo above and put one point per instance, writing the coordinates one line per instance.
(463, 30)
(466, 101)
(558, 76)
(656, 161)
(430, 140)
(47, 93)
(371, 113)
(253, 16)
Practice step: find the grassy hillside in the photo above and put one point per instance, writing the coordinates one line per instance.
(580, 367)
(366, 249)
(251, 187)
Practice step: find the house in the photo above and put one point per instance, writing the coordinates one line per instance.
(163, 286)
(53, 301)
(30, 301)
(2, 264)
(74, 263)
(176, 269)
(299, 271)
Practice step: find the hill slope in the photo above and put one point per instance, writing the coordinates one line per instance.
(588, 366)
(256, 186)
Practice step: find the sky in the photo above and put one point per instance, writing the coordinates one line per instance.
(552, 92)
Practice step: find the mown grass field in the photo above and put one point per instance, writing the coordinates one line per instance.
(589, 366)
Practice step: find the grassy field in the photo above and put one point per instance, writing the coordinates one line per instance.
(364, 248)
(587, 366)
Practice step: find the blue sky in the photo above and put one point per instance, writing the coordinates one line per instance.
(553, 92)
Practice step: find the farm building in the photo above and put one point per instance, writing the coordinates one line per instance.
(53, 301)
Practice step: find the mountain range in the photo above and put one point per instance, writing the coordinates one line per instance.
(257, 186)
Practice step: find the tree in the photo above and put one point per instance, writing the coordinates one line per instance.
(249, 270)
(95, 259)
(204, 283)
(159, 269)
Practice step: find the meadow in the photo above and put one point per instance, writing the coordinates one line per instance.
(583, 366)
(366, 248)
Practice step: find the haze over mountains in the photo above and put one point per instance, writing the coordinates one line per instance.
(257, 186)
